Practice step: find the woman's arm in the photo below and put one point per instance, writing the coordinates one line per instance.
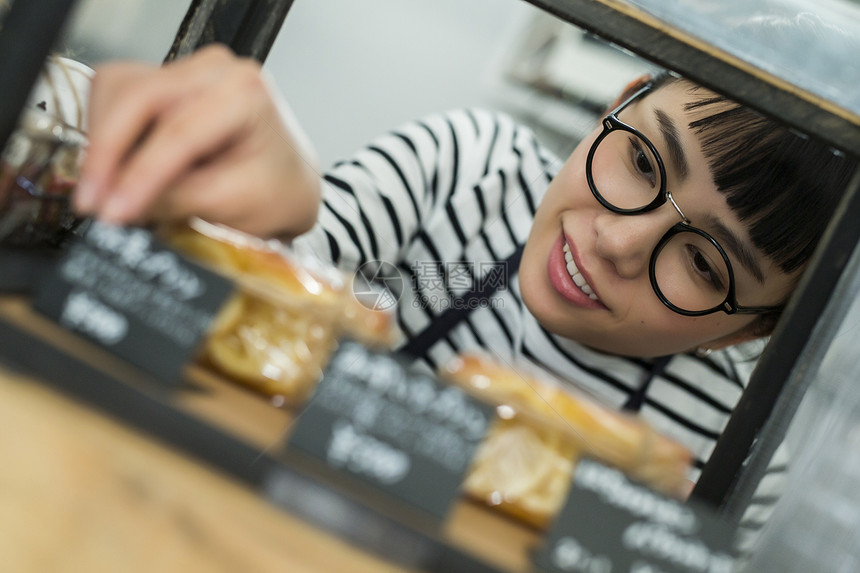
(204, 136)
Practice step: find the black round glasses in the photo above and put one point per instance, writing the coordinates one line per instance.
(689, 270)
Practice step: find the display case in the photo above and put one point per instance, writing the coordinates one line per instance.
(243, 437)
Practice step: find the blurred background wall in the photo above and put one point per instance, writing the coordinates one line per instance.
(349, 68)
(352, 69)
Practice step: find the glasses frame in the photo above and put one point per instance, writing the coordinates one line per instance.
(612, 123)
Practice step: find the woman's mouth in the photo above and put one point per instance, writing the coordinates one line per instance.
(567, 279)
(575, 275)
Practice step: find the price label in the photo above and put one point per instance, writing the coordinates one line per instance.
(399, 430)
(145, 303)
(610, 524)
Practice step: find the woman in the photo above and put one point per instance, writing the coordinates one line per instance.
(681, 224)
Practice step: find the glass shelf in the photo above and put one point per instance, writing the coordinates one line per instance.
(811, 46)
(804, 74)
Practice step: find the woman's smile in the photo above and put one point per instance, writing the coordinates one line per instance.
(567, 276)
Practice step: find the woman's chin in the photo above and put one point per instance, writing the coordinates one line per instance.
(539, 300)
(554, 320)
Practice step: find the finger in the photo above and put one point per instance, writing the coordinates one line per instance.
(211, 192)
(115, 78)
(189, 134)
(125, 100)
(231, 191)
(107, 87)
(109, 81)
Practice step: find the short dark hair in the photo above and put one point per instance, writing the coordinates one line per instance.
(784, 185)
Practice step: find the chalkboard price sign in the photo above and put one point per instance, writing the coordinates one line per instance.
(401, 431)
(610, 524)
(121, 288)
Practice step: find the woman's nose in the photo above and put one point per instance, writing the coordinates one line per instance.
(627, 241)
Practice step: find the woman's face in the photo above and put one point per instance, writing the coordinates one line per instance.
(612, 252)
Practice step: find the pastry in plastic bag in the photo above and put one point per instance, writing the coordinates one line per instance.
(277, 334)
(525, 463)
(38, 171)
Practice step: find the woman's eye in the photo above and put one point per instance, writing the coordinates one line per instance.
(704, 268)
(642, 161)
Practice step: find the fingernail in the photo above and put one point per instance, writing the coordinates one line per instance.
(85, 196)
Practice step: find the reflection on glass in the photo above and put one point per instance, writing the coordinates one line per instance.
(812, 45)
(816, 524)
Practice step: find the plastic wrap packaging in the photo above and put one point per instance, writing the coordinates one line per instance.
(524, 465)
(38, 171)
(278, 332)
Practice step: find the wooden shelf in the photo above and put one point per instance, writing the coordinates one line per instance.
(243, 436)
(83, 492)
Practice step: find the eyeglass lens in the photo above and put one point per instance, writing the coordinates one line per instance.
(691, 273)
(689, 270)
(625, 171)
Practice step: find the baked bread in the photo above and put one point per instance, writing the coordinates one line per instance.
(277, 334)
(525, 463)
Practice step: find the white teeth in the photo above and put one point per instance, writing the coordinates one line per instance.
(577, 277)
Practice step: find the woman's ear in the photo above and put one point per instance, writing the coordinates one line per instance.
(745, 335)
(759, 328)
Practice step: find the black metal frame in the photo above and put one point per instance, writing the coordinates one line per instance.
(711, 69)
(27, 34)
(784, 373)
(249, 27)
(771, 398)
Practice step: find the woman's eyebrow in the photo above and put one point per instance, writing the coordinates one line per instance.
(673, 142)
(737, 246)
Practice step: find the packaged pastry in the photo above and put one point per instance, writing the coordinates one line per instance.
(524, 465)
(277, 333)
(38, 171)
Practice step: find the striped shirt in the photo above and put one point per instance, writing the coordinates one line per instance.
(444, 199)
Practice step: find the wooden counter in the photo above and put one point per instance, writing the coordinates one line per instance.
(84, 492)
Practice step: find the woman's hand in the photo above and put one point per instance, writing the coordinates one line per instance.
(203, 136)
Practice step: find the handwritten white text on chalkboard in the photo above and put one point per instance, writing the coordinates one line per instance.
(656, 540)
(419, 394)
(86, 314)
(569, 555)
(124, 290)
(363, 454)
(614, 488)
(133, 249)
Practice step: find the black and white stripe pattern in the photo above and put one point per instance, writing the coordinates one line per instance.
(463, 187)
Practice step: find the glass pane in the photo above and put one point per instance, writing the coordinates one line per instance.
(812, 45)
